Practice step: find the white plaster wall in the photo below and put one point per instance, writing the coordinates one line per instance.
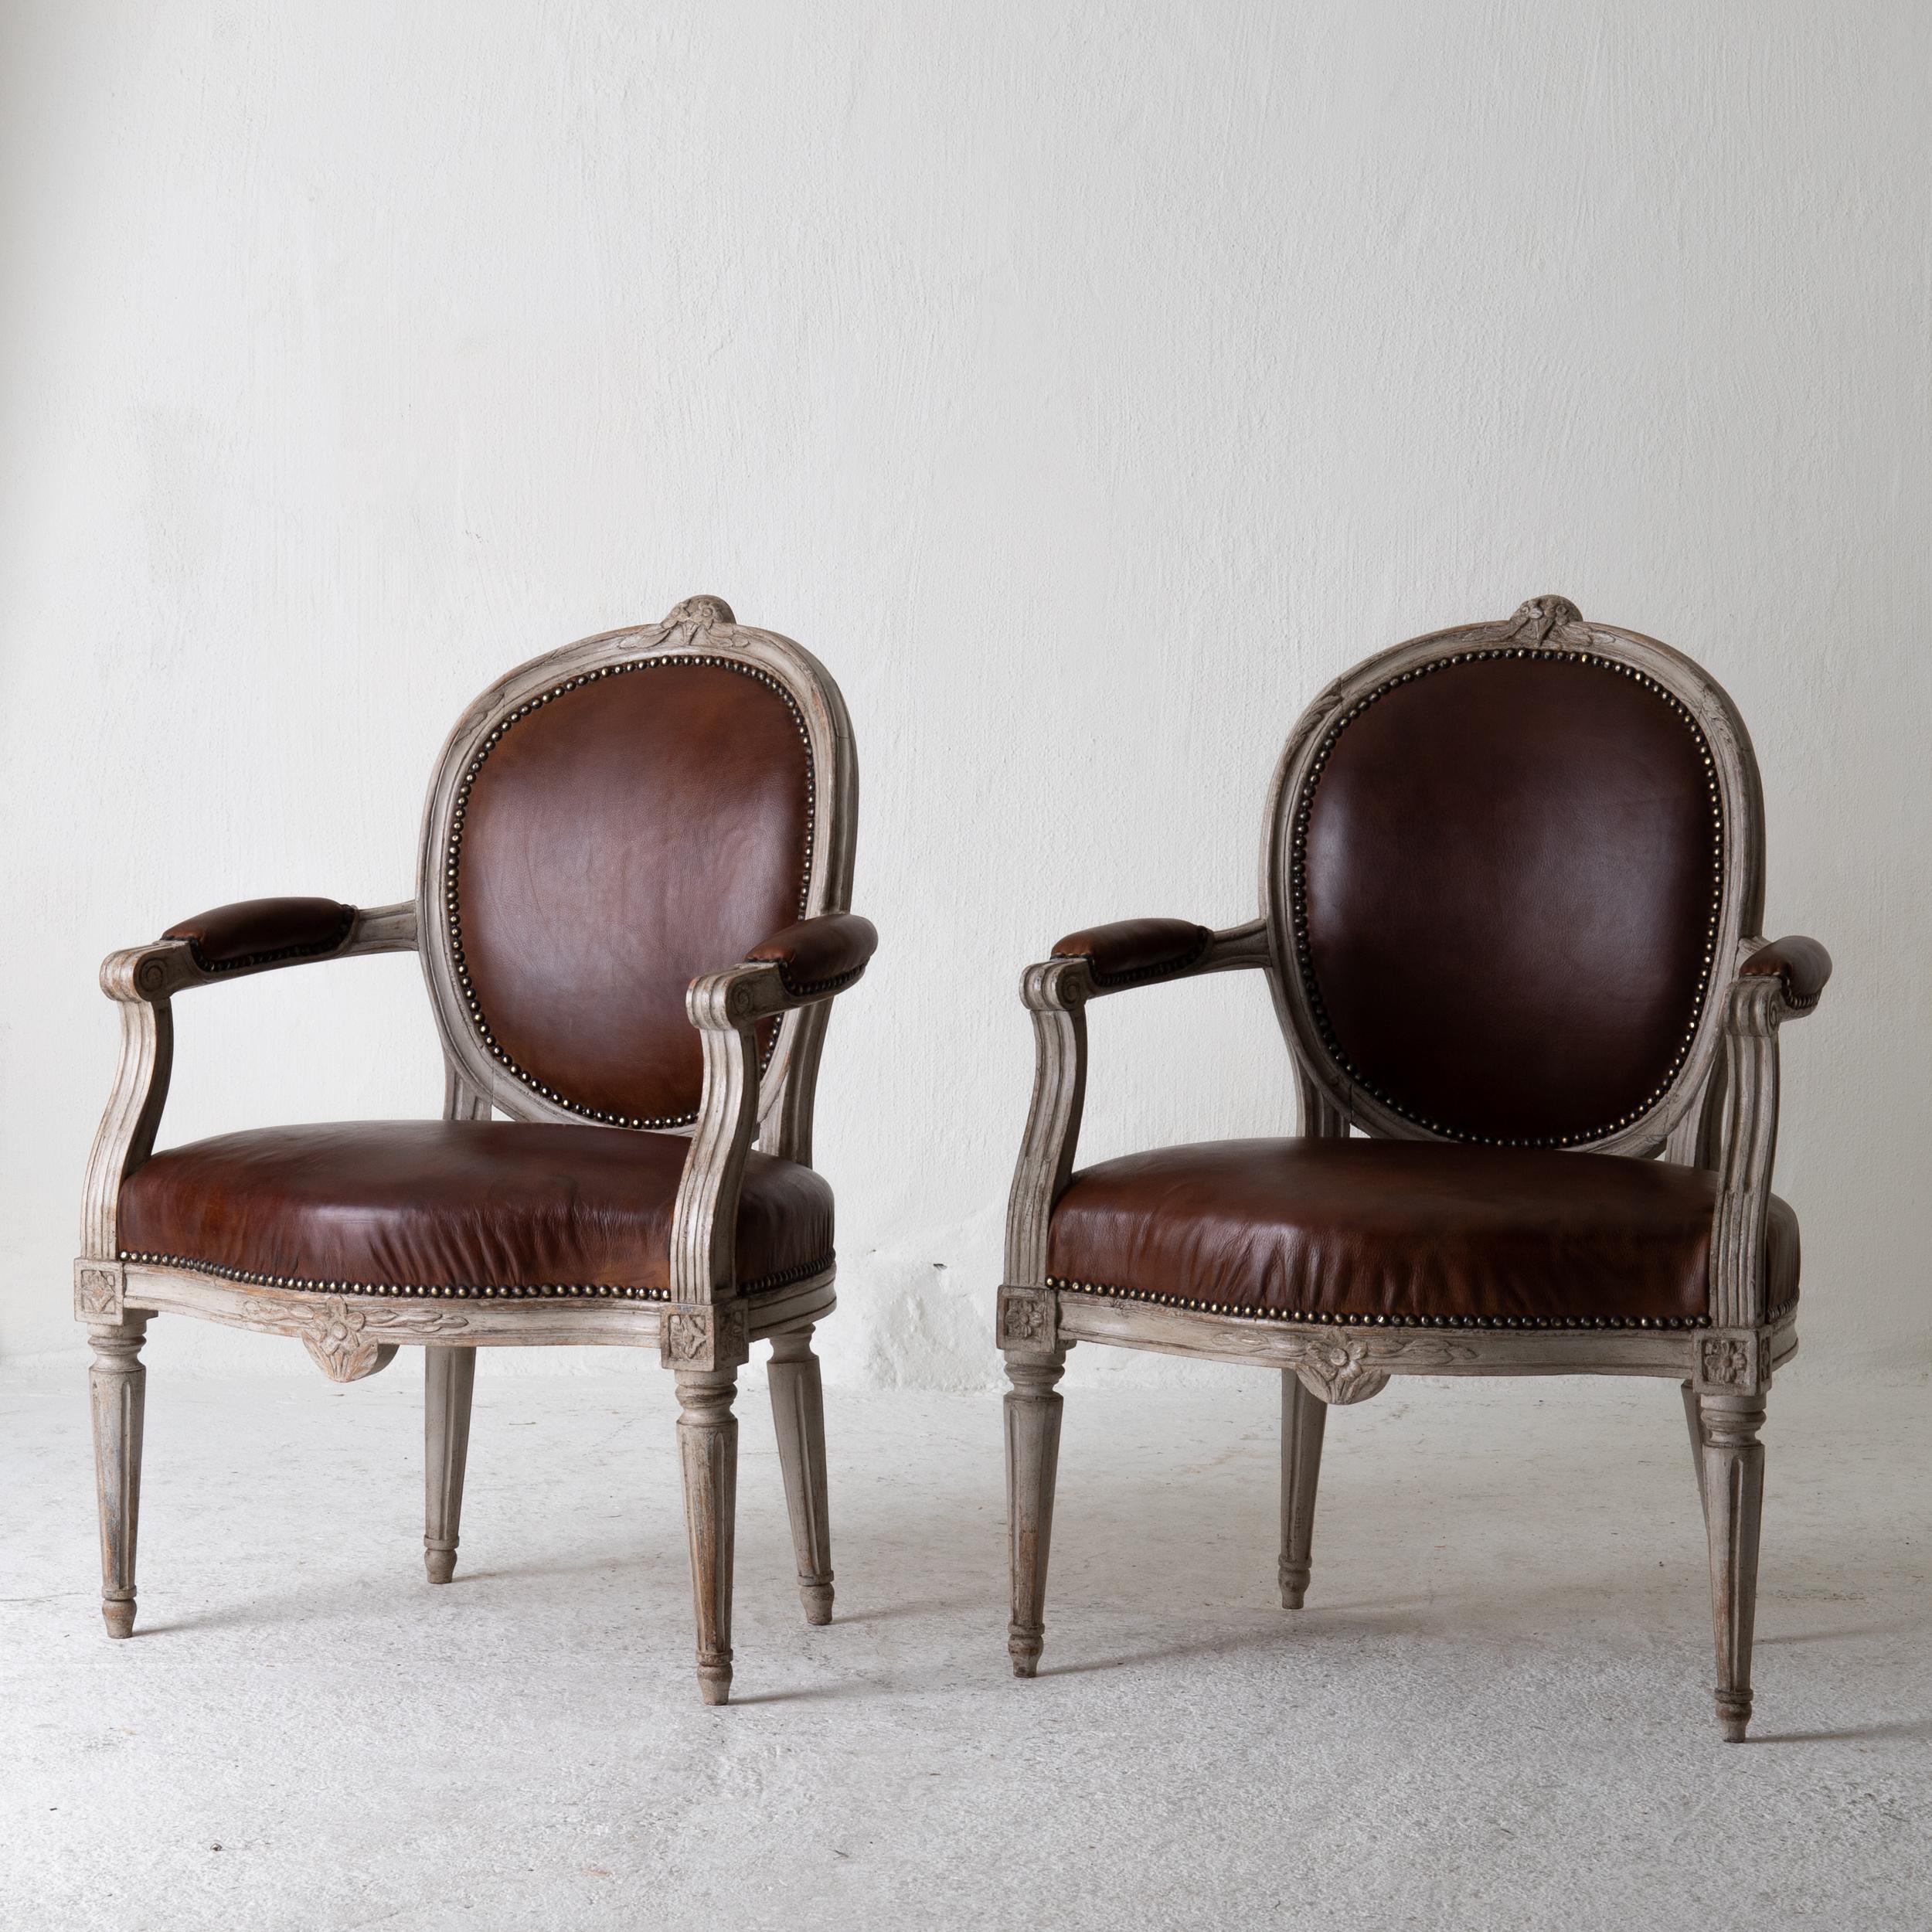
(1086, 384)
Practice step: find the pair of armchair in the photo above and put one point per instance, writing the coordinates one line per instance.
(1511, 891)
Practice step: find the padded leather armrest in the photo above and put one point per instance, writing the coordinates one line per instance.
(1803, 964)
(254, 931)
(820, 955)
(1135, 948)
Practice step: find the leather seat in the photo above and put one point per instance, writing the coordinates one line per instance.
(498, 1207)
(1409, 1231)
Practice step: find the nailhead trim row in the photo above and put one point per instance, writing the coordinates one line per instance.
(1321, 1317)
(207, 965)
(452, 909)
(548, 1291)
(1304, 960)
(803, 989)
(1159, 970)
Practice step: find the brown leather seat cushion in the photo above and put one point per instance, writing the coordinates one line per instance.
(1404, 1231)
(456, 1204)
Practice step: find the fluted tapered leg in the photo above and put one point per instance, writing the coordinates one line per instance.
(1033, 1407)
(1734, 1461)
(708, 1447)
(449, 1380)
(1304, 1417)
(798, 1412)
(1697, 1448)
(117, 1384)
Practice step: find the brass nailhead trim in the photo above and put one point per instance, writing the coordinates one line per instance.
(1322, 1318)
(548, 1291)
(452, 909)
(1299, 850)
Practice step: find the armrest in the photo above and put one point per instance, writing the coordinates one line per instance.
(233, 942)
(1802, 965)
(255, 931)
(255, 936)
(820, 955)
(1085, 966)
(1100, 960)
(1778, 980)
(1132, 950)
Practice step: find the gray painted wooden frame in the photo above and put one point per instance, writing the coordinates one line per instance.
(702, 1332)
(1720, 1110)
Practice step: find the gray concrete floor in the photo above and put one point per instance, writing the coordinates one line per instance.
(1494, 1713)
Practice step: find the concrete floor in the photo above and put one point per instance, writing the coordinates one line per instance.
(1495, 1712)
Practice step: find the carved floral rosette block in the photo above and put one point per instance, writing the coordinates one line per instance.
(1029, 1320)
(706, 1335)
(1734, 1361)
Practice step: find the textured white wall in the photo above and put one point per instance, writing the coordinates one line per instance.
(1085, 383)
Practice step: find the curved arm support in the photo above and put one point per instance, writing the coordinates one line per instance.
(1056, 992)
(726, 1009)
(141, 981)
(1760, 999)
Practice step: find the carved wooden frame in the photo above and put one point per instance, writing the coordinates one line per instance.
(703, 1328)
(1720, 1110)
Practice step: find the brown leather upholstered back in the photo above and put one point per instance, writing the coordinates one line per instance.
(614, 821)
(1506, 890)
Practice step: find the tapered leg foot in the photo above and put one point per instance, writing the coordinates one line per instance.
(1733, 1465)
(708, 1448)
(117, 1390)
(449, 1381)
(1304, 1417)
(1033, 1407)
(799, 1411)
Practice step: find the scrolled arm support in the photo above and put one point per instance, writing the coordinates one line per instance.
(1056, 992)
(1774, 983)
(141, 981)
(726, 1009)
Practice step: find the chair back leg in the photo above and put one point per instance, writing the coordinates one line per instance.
(449, 1381)
(1697, 1448)
(1033, 1407)
(1304, 1417)
(708, 1448)
(117, 1384)
(798, 1413)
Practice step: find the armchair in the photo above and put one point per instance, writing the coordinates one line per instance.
(1511, 884)
(634, 872)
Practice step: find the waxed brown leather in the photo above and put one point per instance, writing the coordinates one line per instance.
(618, 841)
(1135, 948)
(1804, 965)
(253, 931)
(1509, 877)
(1404, 1229)
(818, 954)
(456, 1204)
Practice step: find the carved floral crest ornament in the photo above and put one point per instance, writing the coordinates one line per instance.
(1385, 1238)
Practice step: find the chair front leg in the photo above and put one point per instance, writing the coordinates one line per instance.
(1304, 1417)
(798, 1413)
(449, 1381)
(1033, 1407)
(1733, 1473)
(118, 1384)
(708, 1448)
